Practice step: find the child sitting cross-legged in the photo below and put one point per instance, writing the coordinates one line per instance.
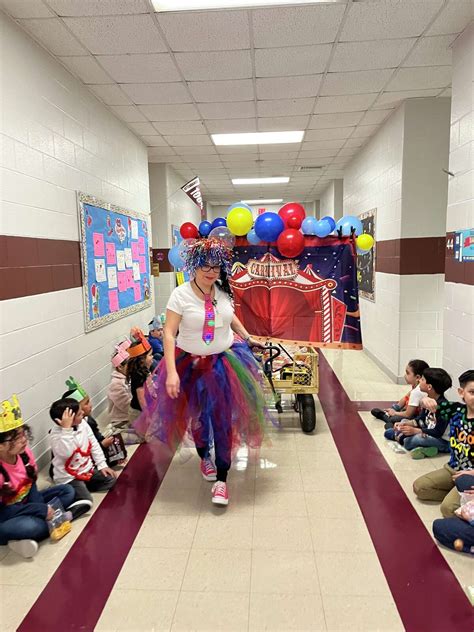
(409, 406)
(118, 393)
(24, 510)
(427, 434)
(78, 458)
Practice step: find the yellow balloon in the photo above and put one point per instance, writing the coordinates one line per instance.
(239, 220)
(365, 241)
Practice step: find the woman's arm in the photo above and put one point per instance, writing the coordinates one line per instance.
(169, 336)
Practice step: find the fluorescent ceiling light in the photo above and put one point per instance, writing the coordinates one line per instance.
(275, 201)
(196, 5)
(282, 180)
(257, 138)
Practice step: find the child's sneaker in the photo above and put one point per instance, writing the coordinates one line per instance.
(219, 493)
(208, 470)
(79, 507)
(378, 413)
(421, 453)
(25, 548)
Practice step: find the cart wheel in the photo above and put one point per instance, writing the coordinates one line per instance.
(307, 412)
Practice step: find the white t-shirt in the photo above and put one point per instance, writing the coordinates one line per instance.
(416, 396)
(183, 301)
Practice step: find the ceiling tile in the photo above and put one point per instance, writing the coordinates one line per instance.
(54, 36)
(453, 19)
(115, 35)
(281, 26)
(309, 150)
(197, 150)
(159, 93)
(284, 87)
(328, 134)
(342, 119)
(388, 19)
(177, 112)
(87, 69)
(97, 7)
(370, 55)
(282, 123)
(364, 131)
(316, 145)
(26, 9)
(349, 103)
(110, 94)
(357, 82)
(228, 64)
(231, 126)
(206, 31)
(155, 141)
(188, 140)
(431, 51)
(238, 109)
(374, 117)
(285, 107)
(162, 151)
(277, 147)
(292, 60)
(344, 155)
(180, 127)
(145, 129)
(392, 99)
(211, 91)
(422, 78)
(128, 113)
(151, 68)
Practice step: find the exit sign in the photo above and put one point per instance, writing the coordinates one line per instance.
(261, 211)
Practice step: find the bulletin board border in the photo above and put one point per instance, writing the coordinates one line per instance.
(91, 324)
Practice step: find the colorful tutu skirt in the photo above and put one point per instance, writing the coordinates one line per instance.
(221, 401)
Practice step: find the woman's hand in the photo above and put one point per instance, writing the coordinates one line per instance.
(253, 342)
(172, 385)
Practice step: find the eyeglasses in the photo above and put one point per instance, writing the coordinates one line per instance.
(208, 268)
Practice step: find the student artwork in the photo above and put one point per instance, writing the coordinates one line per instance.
(366, 256)
(115, 262)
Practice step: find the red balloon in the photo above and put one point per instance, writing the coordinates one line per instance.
(290, 243)
(189, 231)
(294, 222)
(292, 209)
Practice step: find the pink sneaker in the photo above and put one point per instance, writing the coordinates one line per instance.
(208, 470)
(219, 493)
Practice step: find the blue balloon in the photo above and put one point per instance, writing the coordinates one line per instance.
(323, 228)
(252, 237)
(174, 257)
(268, 226)
(308, 227)
(239, 205)
(205, 228)
(347, 223)
(361, 252)
(331, 221)
(219, 221)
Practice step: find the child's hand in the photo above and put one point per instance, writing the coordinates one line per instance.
(106, 471)
(391, 412)
(67, 419)
(430, 404)
(50, 514)
(397, 425)
(408, 431)
(463, 473)
(106, 443)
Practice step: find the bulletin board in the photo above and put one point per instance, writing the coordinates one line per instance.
(366, 262)
(115, 261)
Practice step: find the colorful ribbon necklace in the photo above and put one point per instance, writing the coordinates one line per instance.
(209, 317)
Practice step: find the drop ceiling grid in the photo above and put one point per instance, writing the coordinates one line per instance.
(159, 78)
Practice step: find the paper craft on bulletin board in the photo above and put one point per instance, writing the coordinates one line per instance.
(115, 261)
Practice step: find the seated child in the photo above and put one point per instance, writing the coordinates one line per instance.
(77, 393)
(138, 371)
(119, 393)
(458, 532)
(427, 434)
(440, 485)
(78, 458)
(155, 338)
(24, 511)
(408, 406)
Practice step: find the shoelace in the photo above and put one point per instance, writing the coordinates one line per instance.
(220, 489)
(208, 466)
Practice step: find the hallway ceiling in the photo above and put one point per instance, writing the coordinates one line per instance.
(335, 70)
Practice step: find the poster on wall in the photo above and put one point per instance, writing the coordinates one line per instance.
(115, 261)
(366, 262)
(181, 277)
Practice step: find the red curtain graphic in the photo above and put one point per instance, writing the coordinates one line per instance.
(313, 300)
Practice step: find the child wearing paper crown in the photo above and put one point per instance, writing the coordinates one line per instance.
(78, 458)
(138, 371)
(24, 511)
(119, 392)
(155, 337)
